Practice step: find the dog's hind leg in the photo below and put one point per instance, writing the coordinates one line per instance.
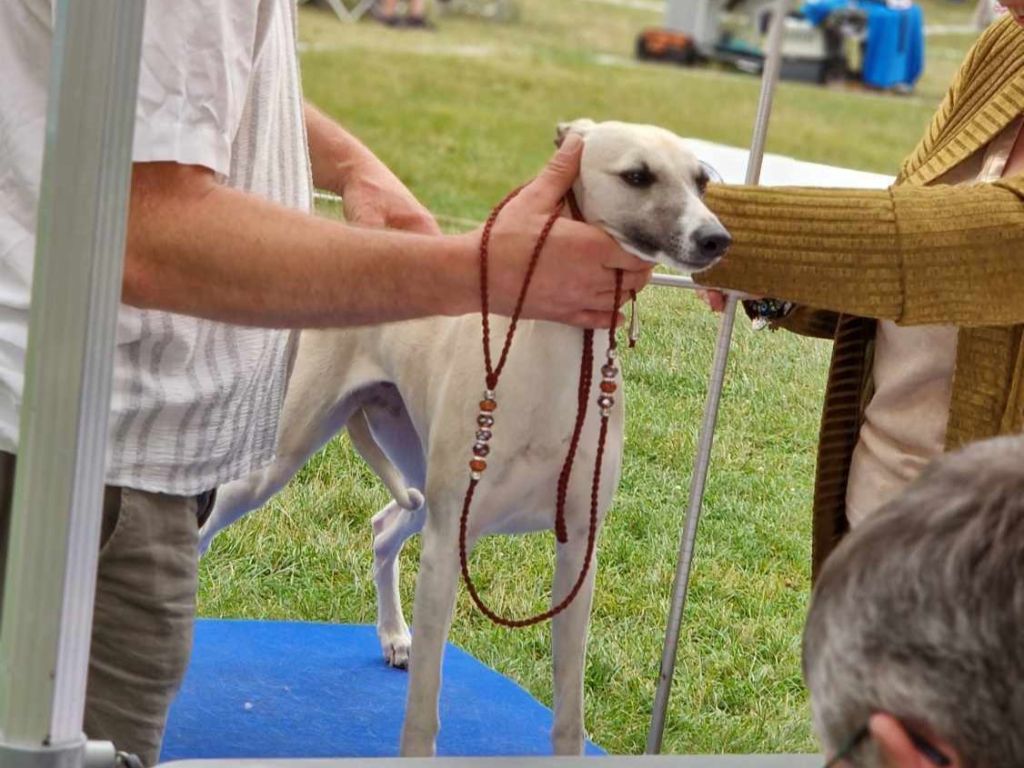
(239, 497)
(391, 527)
(312, 413)
(569, 643)
(379, 430)
(436, 587)
(364, 441)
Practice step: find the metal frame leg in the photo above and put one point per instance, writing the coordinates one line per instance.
(353, 15)
(681, 583)
(680, 586)
(55, 516)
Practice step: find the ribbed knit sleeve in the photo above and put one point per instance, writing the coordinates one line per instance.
(910, 254)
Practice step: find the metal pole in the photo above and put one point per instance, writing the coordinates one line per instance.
(55, 516)
(707, 431)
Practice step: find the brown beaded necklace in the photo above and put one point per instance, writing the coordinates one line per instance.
(485, 419)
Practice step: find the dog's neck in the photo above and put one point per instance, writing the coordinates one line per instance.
(574, 206)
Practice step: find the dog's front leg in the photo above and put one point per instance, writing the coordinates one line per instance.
(569, 643)
(436, 587)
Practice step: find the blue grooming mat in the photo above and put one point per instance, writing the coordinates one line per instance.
(294, 689)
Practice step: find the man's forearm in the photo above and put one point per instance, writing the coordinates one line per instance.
(374, 196)
(199, 248)
(335, 154)
(222, 254)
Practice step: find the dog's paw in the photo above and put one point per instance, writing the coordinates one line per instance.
(396, 647)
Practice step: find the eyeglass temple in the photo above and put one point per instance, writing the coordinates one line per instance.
(920, 743)
(850, 745)
(927, 749)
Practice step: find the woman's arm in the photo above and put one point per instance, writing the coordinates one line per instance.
(910, 254)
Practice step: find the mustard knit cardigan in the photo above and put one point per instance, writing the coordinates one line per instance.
(911, 254)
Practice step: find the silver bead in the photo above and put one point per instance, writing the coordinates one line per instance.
(475, 475)
(488, 394)
(612, 354)
(606, 412)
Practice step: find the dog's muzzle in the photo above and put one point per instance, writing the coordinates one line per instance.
(711, 241)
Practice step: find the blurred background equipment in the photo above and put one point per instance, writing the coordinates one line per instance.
(877, 42)
(492, 10)
(350, 12)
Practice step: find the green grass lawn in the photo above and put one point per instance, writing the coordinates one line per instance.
(463, 115)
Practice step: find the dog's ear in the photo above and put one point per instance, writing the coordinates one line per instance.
(581, 126)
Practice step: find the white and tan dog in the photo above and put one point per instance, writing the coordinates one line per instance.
(408, 393)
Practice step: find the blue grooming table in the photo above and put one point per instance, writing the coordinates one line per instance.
(655, 761)
(268, 689)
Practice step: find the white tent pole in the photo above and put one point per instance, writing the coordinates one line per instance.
(55, 516)
(681, 583)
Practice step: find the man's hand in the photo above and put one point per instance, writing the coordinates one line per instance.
(575, 278)
(374, 197)
(714, 299)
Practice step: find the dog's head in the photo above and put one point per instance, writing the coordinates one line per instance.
(644, 187)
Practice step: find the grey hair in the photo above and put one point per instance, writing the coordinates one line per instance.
(920, 612)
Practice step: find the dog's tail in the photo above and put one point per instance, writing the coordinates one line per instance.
(362, 438)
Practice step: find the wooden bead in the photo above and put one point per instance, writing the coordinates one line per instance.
(608, 387)
(488, 405)
(478, 465)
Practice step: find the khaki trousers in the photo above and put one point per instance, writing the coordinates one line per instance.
(144, 610)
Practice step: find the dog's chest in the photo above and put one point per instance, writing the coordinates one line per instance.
(538, 398)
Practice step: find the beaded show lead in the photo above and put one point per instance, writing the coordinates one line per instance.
(486, 419)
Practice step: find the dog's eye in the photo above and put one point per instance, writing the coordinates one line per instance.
(641, 178)
(702, 183)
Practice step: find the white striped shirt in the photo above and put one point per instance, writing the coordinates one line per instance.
(195, 402)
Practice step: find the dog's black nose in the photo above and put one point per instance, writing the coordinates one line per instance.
(712, 241)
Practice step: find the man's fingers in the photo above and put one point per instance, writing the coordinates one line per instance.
(631, 281)
(548, 189)
(594, 319)
(714, 299)
(635, 281)
(616, 258)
